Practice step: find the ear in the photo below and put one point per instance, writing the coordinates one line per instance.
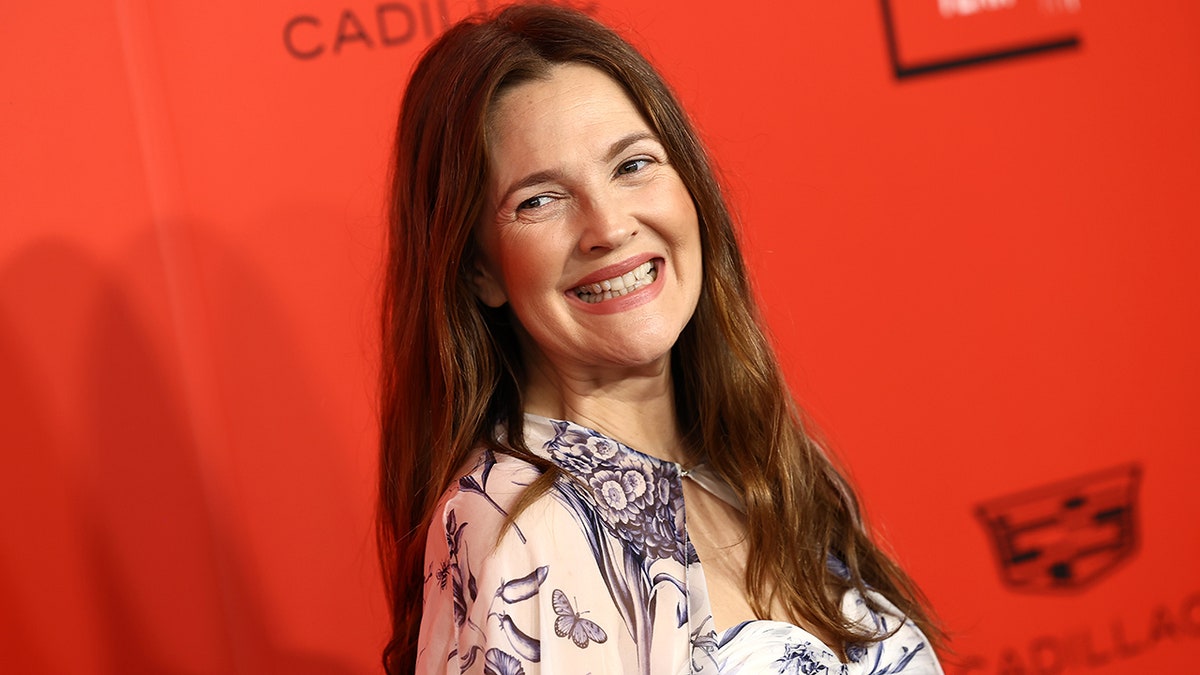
(487, 288)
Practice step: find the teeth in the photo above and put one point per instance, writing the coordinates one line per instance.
(618, 286)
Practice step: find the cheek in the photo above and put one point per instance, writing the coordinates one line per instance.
(677, 202)
(686, 234)
(528, 270)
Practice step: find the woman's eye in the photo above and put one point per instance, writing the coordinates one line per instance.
(533, 202)
(632, 166)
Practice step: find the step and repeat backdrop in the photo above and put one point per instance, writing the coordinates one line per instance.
(974, 226)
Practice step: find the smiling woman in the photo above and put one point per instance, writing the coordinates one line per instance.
(589, 457)
(589, 233)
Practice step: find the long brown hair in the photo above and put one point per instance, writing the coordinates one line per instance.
(451, 366)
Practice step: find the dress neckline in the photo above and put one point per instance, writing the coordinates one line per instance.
(700, 474)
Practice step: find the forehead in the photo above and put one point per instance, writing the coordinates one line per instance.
(573, 109)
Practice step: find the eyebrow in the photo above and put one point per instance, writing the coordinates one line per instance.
(624, 142)
(556, 175)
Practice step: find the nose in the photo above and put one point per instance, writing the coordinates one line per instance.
(605, 224)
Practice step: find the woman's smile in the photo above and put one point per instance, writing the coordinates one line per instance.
(610, 290)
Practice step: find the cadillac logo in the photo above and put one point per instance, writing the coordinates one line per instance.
(1066, 535)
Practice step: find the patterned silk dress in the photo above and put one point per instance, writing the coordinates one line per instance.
(598, 576)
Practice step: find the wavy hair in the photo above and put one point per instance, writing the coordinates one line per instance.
(451, 367)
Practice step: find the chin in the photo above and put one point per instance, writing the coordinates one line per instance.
(647, 351)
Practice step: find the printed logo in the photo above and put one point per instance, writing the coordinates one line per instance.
(930, 36)
(387, 24)
(1066, 535)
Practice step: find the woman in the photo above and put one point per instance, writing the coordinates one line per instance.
(590, 461)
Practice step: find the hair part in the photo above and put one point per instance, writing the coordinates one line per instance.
(451, 367)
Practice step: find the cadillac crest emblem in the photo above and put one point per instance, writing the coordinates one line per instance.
(1065, 535)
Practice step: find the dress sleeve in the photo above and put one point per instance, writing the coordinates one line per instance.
(527, 601)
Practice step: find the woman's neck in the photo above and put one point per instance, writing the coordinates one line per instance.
(635, 406)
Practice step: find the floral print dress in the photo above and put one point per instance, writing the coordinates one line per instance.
(598, 576)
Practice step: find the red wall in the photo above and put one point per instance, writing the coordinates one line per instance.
(982, 280)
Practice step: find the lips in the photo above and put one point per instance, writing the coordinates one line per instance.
(619, 285)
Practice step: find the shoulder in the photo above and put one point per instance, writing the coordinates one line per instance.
(497, 587)
(904, 647)
(479, 511)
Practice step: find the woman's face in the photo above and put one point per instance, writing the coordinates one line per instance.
(589, 234)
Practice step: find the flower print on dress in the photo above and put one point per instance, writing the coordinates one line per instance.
(652, 520)
(496, 662)
(799, 659)
(883, 658)
(626, 494)
(443, 574)
(599, 447)
(569, 448)
(901, 660)
(634, 496)
(461, 581)
(704, 646)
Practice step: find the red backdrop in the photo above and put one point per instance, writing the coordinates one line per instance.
(976, 243)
